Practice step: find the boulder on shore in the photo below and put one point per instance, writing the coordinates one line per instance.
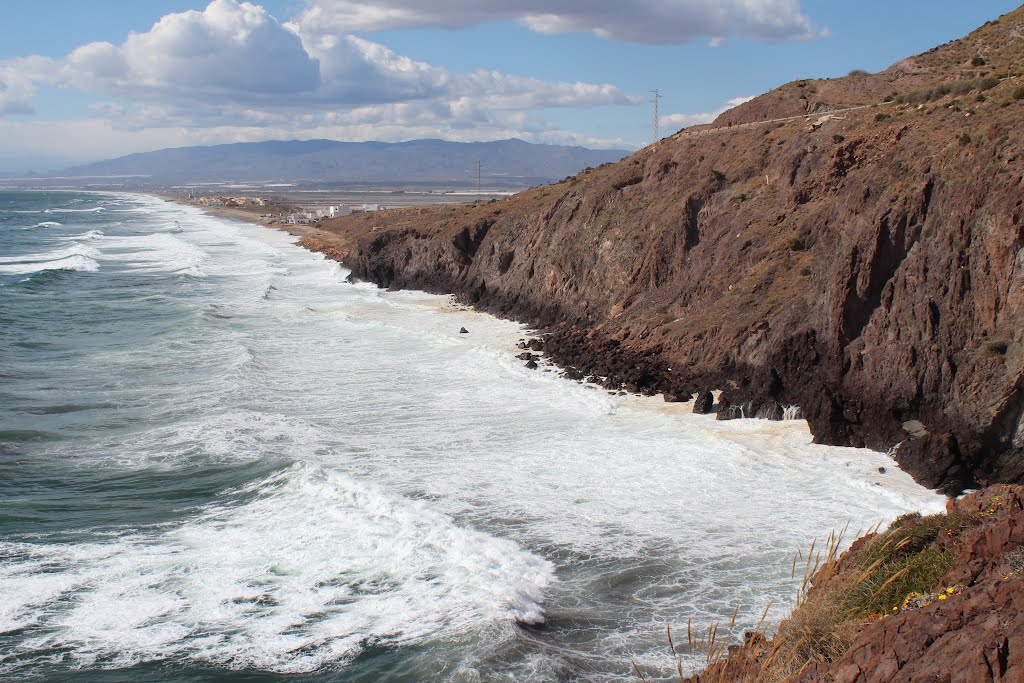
(704, 404)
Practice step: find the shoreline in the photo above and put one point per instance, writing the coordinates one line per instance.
(252, 216)
(569, 362)
(558, 351)
(741, 430)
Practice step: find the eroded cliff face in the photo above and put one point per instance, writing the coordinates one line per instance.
(867, 267)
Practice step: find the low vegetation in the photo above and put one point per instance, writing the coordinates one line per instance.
(882, 574)
(950, 88)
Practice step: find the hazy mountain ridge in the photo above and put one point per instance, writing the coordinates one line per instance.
(505, 162)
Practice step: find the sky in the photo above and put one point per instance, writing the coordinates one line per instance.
(88, 80)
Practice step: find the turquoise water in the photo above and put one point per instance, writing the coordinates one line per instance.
(219, 460)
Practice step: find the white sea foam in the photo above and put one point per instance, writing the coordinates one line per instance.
(312, 568)
(57, 209)
(76, 250)
(89, 235)
(155, 253)
(47, 224)
(71, 263)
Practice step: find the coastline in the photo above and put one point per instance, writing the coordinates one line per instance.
(569, 349)
(739, 661)
(253, 215)
(568, 353)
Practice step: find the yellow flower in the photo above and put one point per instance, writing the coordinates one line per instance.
(943, 596)
(895, 609)
(950, 591)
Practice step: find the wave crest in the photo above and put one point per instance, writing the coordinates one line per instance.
(307, 571)
(76, 263)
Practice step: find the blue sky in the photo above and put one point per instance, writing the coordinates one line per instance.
(81, 81)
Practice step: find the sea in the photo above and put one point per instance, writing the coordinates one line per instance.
(220, 460)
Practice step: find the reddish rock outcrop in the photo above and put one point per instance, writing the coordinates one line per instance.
(868, 267)
(973, 633)
(976, 635)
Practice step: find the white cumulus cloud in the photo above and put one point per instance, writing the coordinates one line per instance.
(19, 80)
(640, 21)
(231, 49)
(233, 72)
(234, 61)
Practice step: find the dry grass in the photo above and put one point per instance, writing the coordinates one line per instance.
(887, 572)
(899, 568)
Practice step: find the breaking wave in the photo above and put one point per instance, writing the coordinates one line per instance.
(309, 569)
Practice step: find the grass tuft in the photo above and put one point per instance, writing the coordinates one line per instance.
(882, 574)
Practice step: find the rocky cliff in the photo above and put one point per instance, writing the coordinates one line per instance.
(862, 261)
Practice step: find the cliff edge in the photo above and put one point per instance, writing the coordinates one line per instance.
(931, 599)
(862, 261)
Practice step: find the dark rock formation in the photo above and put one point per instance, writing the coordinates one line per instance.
(704, 404)
(865, 268)
(727, 410)
(770, 410)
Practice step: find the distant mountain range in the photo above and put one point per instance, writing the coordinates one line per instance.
(506, 163)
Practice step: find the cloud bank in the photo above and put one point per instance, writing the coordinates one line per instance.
(235, 61)
(642, 21)
(233, 72)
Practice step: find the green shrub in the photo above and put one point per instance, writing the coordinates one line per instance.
(891, 582)
(965, 140)
(880, 116)
(977, 61)
(996, 347)
(943, 89)
(627, 182)
(904, 560)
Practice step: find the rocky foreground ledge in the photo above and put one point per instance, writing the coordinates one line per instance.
(866, 265)
(933, 599)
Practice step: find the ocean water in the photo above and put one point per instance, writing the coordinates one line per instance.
(220, 461)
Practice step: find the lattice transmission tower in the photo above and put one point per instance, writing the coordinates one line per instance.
(657, 123)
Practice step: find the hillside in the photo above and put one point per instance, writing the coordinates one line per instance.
(505, 163)
(866, 267)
